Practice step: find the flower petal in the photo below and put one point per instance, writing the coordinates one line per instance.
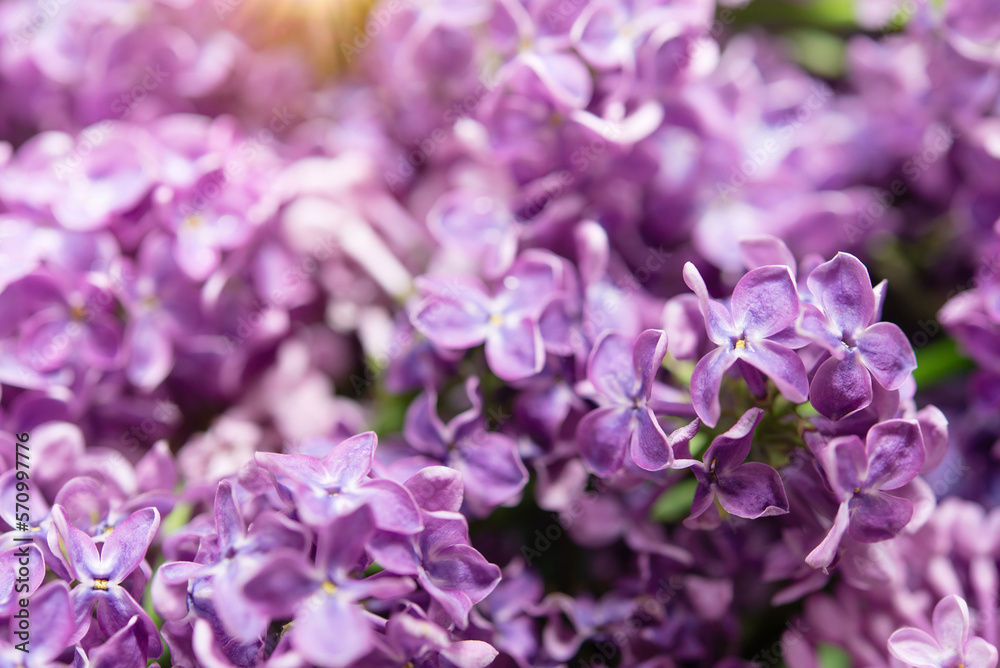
(730, 449)
(877, 516)
(515, 350)
(917, 648)
(491, 467)
(393, 507)
(651, 448)
(980, 654)
(765, 301)
(706, 381)
(312, 637)
(303, 469)
(951, 623)
(752, 490)
(887, 353)
(823, 554)
(718, 321)
(349, 461)
(895, 454)
(843, 289)
(126, 547)
(782, 365)
(451, 322)
(650, 349)
(422, 428)
(84, 561)
(436, 488)
(611, 367)
(51, 610)
(603, 435)
(840, 387)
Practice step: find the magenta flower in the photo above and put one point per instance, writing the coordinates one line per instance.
(326, 595)
(453, 572)
(236, 551)
(951, 644)
(861, 474)
(754, 333)
(459, 313)
(100, 574)
(323, 490)
(859, 348)
(622, 374)
(489, 462)
(745, 489)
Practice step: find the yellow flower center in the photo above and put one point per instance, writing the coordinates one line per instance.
(329, 587)
(496, 319)
(100, 585)
(741, 344)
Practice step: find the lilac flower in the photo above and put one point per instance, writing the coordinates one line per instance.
(326, 595)
(489, 462)
(623, 373)
(65, 323)
(53, 629)
(412, 636)
(860, 475)
(236, 552)
(745, 489)
(860, 348)
(755, 334)
(101, 574)
(951, 644)
(323, 490)
(444, 563)
(459, 313)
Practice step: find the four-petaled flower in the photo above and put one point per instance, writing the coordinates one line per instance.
(757, 334)
(323, 490)
(100, 574)
(458, 313)
(950, 646)
(745, 489)
(623, 376)
(860, 348)
(860, 474)
(324, 597)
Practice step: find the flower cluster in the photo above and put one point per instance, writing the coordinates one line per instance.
(502, 333)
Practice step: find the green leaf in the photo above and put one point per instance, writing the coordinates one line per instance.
(832, 656)
(177, 518)
(390, 412)
(698, 444)
(938, 362)
(675, 503)
(830, 14)
(820, 52)
(806, 410)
